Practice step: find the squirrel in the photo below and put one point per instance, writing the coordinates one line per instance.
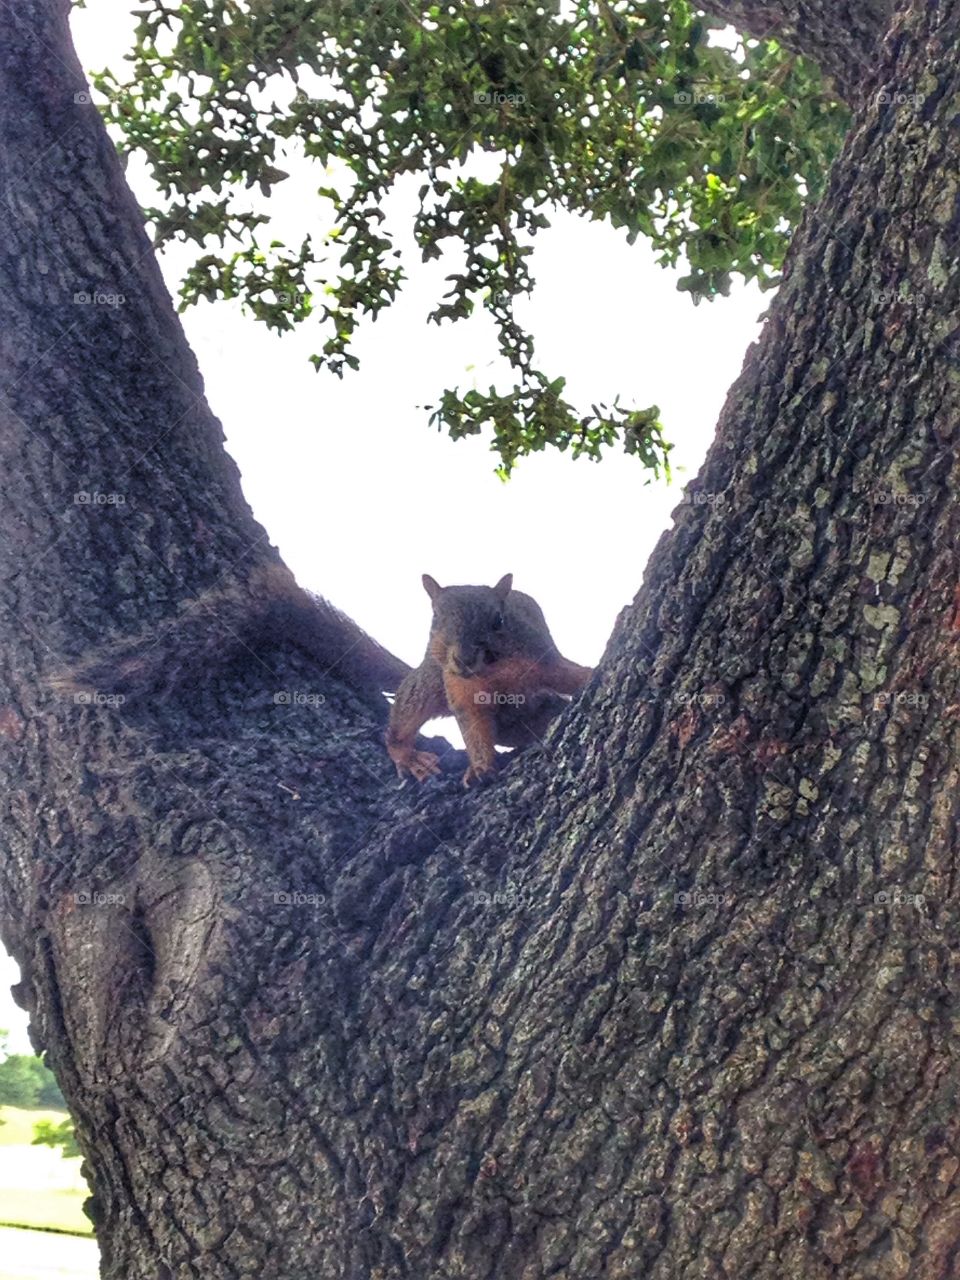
(491, 661)
(493, 664)
(227, 621)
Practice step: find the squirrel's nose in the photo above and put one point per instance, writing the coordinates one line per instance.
(466, 661)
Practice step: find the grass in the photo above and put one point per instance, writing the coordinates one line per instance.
(38, 1187)
(16, 1128)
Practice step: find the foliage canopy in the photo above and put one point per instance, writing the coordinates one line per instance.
(25, 1081)
(623, 110)
(62, 1135)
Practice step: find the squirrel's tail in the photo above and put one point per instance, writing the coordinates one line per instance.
(227, 622)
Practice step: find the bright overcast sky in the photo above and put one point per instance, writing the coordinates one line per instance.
(362, 497)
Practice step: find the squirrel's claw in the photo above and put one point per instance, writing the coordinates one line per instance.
(420, 765)
(480, 775)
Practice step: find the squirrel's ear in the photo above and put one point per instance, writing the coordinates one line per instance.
(431, 586)
(503, 586)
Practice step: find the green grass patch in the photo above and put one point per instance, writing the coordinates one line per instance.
(45, 1210)
(16, 1125)
(38, 1187)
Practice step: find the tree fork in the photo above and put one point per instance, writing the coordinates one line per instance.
(675, 998)
(843, 37)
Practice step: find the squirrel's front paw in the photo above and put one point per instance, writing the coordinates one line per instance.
(480, 773)
(419, 764)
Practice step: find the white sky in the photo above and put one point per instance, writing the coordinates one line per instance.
(362, 497)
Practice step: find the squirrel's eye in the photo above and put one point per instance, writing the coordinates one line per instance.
(498, 622)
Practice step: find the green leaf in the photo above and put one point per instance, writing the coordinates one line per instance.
(618, 110)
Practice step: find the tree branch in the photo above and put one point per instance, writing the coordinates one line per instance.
(676, 996)
(841, 36)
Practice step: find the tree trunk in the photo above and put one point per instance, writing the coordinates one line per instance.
(841, 36)
(675, 998)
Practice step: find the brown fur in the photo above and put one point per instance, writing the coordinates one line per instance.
(492, 663)
(226, 622)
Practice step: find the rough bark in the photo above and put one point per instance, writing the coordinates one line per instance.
(842, 36)
(676, 998)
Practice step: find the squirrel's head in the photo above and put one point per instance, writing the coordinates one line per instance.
(466, 624)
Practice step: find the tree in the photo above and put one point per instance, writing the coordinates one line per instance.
(18, 1081)
(48, 1134)
(25, 1081)
(623, 111)
(676, 997)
